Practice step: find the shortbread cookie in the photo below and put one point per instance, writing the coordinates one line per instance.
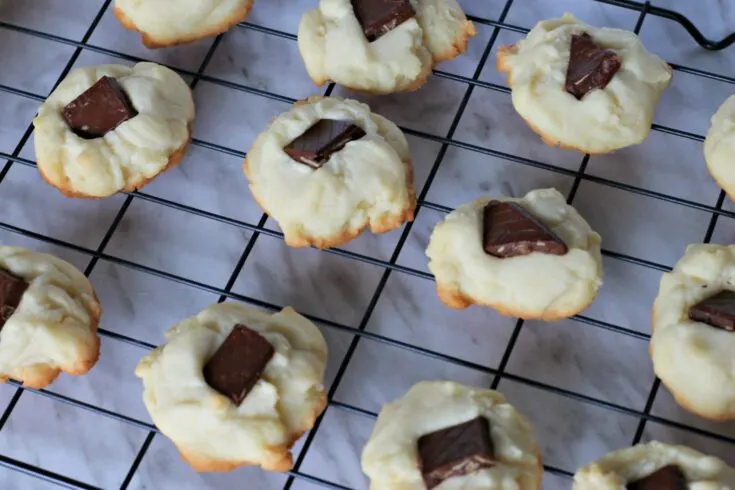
(49, 316)
(234, 386)
(533, 258)
(448, 436)
(165, 23)
(329, 168)
(584, 88)
(112, 128)
(381, 46)
(694, 331)
(655, 466)
(719, 147)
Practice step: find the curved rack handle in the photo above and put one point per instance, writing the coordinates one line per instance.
(680, 18)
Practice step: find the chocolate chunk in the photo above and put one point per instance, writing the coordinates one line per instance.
(102, 108)
(667, 478)
(238, 364)
(12, 288)
(455, 451)
(717, 311)
(590, 67)
(509, 230)
(319, 142)
(380, 16)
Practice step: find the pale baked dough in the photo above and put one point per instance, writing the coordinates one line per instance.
(694, 360)
(719, 147)
(620, 115)
(54, 328)
(127, 157)
(165, 23)
(538, 285)
(618, 468)
(333, 46)
(212, 433)
(390, 458)
(367, 183)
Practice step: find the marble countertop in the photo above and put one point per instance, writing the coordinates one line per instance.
(607, 373)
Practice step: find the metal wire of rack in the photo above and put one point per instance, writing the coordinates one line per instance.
(358, 333)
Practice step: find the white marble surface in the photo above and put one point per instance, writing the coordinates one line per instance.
(578, 358)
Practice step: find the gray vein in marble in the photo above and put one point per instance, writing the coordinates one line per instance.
(337, 447)
(626, 296)
(490, 73)
(325, 285)
(585, 359)
(410, 311)
(143, 306)
(413, 252)
(466, 64)
(233, 118)
(380, 373)
(262, 61)
(110, 34)
(16, 479)
(724, 231)
(111, 382)
(39, 427)
(27, 200)
(690, 102)
(663, 163)
(466, 175)
(211, 181)
(703, 444)
(526, 13)
(39, 76)
(491, 121)
(16, 114)
(430, 110)
(669, 228)
(162, 468)
(50, 16)
(666, 407)
(177, 242)
(562, 426)
(6, 394)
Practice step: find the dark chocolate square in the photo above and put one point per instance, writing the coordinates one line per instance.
(590, 67)
(238, 364)
(319, 142)
(717, 311)
(378, 17)
(667, 478)
(508, 230)
(102, 108)
(455, 451)
(12, 288)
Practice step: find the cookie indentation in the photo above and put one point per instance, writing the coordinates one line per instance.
(322, 140)
(590, 67)
(455, 451)
(238, 364)
(669, 477)
(717, 311)
(99, 110)
(12, 288)
(510, 231)
(378, 17)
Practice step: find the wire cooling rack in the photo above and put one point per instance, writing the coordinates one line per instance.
(389, 267)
